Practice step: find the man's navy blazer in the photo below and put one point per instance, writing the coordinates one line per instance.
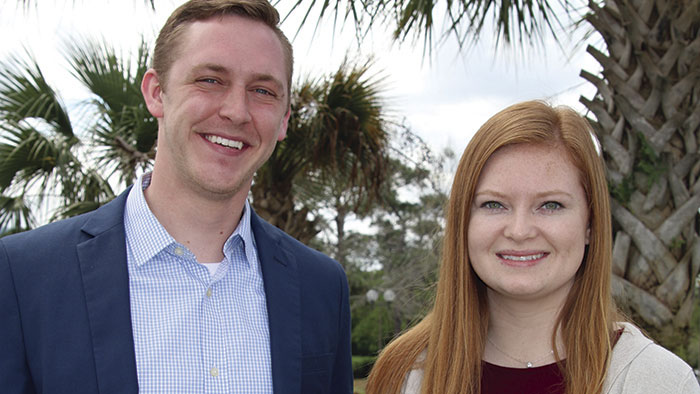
(65, 321)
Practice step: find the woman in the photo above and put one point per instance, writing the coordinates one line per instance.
(523, 303)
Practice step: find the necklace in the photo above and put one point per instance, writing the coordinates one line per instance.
(528, 364)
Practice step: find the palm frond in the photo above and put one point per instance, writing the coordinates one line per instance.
(25, 94)
(340, 12)
(352, 129)
(112, 78)
(31, 161)
(525, 22)
(26, 155)
(124, 132)
(15, 215)
(95, 191)
(42, 157)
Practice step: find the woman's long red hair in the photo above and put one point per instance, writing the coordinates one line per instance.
(451, 337)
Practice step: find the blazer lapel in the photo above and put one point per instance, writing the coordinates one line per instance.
(103, 265)
(282, 291)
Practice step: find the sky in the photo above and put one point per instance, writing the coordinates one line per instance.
(443, 98)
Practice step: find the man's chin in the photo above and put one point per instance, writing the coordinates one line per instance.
(215, 190)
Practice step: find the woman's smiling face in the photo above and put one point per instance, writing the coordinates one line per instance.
(529, 223)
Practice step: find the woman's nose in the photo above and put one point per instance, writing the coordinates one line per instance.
(520, 226)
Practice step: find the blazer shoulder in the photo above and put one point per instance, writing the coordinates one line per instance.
(66, 232)
(45, 239)
(305, 256)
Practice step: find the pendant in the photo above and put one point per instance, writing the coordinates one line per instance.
(529, 364)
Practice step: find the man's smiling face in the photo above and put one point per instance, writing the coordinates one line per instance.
(223, 107)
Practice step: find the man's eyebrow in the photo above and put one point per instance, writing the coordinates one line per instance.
(264, 77)
(210, 67)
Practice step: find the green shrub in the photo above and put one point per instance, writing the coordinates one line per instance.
(361, 365)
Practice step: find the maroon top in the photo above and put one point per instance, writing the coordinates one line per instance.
(546, 379)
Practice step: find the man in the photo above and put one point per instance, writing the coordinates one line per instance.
(177, 286)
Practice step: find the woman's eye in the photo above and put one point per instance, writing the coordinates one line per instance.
(551, 205)
(492, 205)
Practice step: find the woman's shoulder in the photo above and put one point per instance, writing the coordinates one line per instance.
(640, 365)
(414, 379)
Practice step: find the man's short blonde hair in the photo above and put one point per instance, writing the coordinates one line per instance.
(170, 36)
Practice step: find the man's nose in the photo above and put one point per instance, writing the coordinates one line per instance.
(234, 105)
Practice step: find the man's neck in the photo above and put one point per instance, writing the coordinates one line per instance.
(201, 224)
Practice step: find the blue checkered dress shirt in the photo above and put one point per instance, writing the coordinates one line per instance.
(194, 332)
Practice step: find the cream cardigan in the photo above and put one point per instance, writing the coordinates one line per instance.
(638, 365)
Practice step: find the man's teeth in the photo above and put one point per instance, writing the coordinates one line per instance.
(523, 258)
(224, 142)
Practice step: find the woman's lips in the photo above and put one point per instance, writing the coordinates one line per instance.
(521, 258)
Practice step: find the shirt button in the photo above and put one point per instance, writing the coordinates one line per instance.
(208, 293)
(214, 372)
(179, 251)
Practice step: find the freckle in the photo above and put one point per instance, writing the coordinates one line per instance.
(221, 233)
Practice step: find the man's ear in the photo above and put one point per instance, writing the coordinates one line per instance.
(283, 126)
(152, 90)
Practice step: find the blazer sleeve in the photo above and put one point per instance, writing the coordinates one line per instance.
(14, 371)
(342, 379)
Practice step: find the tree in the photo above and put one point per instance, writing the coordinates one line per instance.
(409, 234)
(45, 163)
(341, 202)
(336, 147)
(646, 117)
(399, 251)
(526, 22)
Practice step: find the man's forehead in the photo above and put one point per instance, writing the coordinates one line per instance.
(228, 32)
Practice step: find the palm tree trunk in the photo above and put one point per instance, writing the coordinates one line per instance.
(341, 214)
(647, 117)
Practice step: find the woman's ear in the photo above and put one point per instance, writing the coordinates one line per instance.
(588, 235)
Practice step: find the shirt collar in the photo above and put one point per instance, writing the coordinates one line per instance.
(244, 231)
(146, 237)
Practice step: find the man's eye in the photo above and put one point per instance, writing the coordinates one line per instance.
(264, 91)
(208, 80)
(551, 205)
